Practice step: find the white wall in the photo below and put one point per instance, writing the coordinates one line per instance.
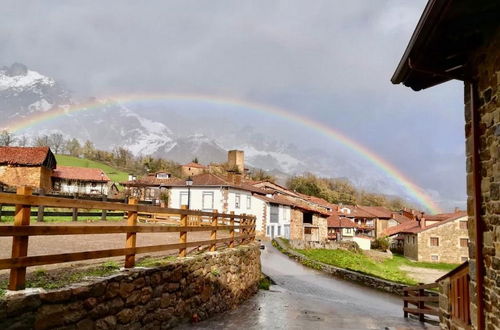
(83, 188)
(282, 227)
(196, 198)
(363, 243)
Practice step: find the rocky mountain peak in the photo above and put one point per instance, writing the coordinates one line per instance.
(16, 69)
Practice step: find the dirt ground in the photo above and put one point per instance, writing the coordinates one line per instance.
(43, 245)
(423, 275)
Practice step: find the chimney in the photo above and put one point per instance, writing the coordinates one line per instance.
(422, 221)
(236, 160)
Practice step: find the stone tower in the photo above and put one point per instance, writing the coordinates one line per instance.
(236, 160)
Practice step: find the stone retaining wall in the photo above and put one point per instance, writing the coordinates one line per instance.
(349, 275)
(189, 289)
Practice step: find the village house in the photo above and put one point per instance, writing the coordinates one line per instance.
(27, 166)
(192, 169)
(152, 187)
(371, 220)
(340, 228)
(445, 240)
(80, 180)
(461, 40)
(276, 216)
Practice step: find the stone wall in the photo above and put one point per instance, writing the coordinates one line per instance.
(449, 249)
(322, 227)
(35, 177)
(330, 245)
(189, 289)
(296, 225)
(486, 66)
(411, 246)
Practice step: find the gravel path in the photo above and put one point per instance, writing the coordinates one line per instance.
(43, 245)
(423, 275)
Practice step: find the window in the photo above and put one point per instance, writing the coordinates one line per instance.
(183, 198)
(464, 259)
(463, 225)
(434, 257)
(268, 230)
(237, 201)
(434, 241)
(348, 230)
(464, 242)
(413, 239)
(249, 202)
(274, 213)
(307, 230)
(94, 184)
(279, 230)
(208, 200)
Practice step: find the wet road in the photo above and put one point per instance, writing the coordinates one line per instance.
(307, 299)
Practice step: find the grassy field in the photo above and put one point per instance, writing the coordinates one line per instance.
(114, 174)
(388, 269)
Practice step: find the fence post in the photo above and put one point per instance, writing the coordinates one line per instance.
(213, 235)
(74, 217)
(41, 208)
(131, 237)
(254, 221)
(231, 231)
(17, 277)
(405, 303)
(183, 234)
(244, 231)
(104, 212)
(421, 304)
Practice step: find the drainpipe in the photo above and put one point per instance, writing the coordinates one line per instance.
(476, 181)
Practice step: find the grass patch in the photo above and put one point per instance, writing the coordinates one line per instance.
(2, 293)
(114, 174)
(150, 262)
(399, 260)
(264, 283)
(48, 280)
(359, 263)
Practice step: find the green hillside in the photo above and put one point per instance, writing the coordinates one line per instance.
(114, 174)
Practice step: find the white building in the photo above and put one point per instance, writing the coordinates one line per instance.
(80, 180)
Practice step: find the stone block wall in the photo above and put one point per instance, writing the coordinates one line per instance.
(449, 249)
(296, 225)
(411, 246)
(486, 70)
(36, 177)
(322, 227)
(189, 289)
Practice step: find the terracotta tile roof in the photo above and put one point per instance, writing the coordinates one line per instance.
(276, 199)
(153, 181)
(26, 156)
(400, 218)
(334, 221)
(195, 165)
(321, 202)
(413, 227)
(378, 211)
(357, 212)
(80, 174)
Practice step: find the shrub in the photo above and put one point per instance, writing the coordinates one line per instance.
(381, 243)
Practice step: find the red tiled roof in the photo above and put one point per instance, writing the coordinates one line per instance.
(400, 218)
(378, 211)
(80, 174)
(153, 181)
(195, 165)
(413, 227)
(25, 156)
(321, 202)
(334, 221)
(275, 199)
(357, 212)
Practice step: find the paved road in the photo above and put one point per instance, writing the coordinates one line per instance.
(307, 299)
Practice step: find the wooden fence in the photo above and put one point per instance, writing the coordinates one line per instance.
(418, 296)
(241, 230)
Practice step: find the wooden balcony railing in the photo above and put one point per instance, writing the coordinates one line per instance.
(241, 230)
(417, 296)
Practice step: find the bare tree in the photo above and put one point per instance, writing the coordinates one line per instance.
(42, 141)
(56, 142)
(6, 138)
(22, 141)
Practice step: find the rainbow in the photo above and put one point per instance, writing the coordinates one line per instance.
(411, 188)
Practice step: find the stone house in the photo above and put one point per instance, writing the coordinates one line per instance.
(434, 241)
(80, 180)
(192, 169)
(371, 220)
(340, 228)
(27, 166)
(152, 187)
(461, 40)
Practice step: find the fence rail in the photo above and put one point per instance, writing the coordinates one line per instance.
(210, 222)
(418, 296)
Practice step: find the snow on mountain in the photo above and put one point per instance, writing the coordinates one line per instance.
(18, 77)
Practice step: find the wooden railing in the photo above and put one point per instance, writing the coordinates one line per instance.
(241, 230)
(418, 296)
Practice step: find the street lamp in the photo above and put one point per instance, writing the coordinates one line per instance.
(189, 183)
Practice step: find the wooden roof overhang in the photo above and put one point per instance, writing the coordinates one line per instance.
(448, 32)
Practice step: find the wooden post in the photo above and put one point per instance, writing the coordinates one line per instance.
(213, 235)
(131, 237)
(183, 234)
(405, 303)
(104, 212)
(231, 231)
(421, 305)
(17, 279)
(41, 209)
(243, 222)
(75, 210)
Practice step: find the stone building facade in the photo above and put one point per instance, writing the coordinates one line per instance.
(486, 71)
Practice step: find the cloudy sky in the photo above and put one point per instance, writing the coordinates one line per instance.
(328, 60)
